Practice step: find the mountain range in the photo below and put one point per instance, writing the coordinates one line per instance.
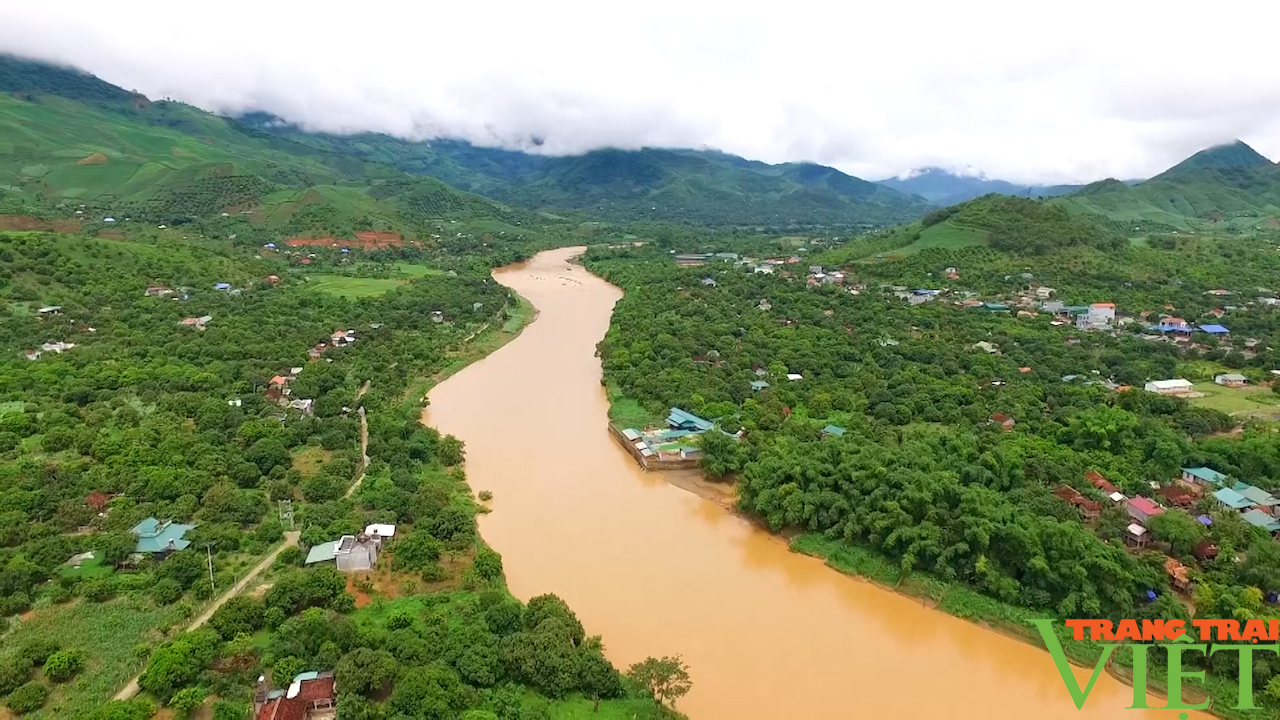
(699, 186)
(942, 187)
(68, 137)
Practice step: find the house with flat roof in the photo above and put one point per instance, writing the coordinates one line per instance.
(351, 553)
(158, 538)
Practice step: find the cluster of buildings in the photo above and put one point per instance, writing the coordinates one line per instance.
(672, 447)
(1255, 506)
(159, 538)
(279, 392)
(353, 553)
(338, 339)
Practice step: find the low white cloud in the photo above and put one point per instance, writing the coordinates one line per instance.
(1025, 92)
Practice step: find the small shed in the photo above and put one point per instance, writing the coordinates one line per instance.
(1136, 535)
(833, 431)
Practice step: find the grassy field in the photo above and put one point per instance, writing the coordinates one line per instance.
(92, 568)
(309, 460)
(1252, 401)
(626, 412)
(353, 287)
(108, 633)
(944, 235)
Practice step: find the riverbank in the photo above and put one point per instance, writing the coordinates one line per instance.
(483, 343)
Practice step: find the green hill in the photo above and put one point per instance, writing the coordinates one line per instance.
(74, 146)
(1229, 185)
(1018, 226)
(701, 187)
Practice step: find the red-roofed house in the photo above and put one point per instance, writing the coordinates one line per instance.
(1005, 422)
(309, 697)
(1141, 509)
(1097, 480)
(277, 387)
(1178, 495)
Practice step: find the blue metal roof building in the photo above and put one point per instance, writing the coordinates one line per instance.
(681, 420)
(1233, 499)
(1214, 329)
(156, 537)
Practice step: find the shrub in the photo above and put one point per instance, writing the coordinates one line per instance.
(15, 603)
(28, 698)
(13, 672)
(97, 590)
(37, 650)
(63, 665)
(486, 495)
(228, 710)
(166, 592)
(400, 619)
(187, 700)
(291, 556)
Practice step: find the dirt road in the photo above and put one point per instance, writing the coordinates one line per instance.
(290, 540)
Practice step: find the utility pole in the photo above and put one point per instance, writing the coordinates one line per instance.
(213, 591)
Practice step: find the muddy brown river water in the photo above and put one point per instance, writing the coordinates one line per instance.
(768, 634)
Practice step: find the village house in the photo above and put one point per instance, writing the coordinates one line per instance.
(1136, 535)
(278, 387)
(793, 377)
(310, 696)
(679, 419)
(315, 352)
(222, 286)
(1232, 500)
(342, 338)
(1258, 518)
(1230, 379)
(1178, 495)
(1215, 330)
(1099, 481)
(1174, 387)
(350, 553)
(758, 385)
(1260, 498)
(1089, 509)
(157, 291)
(1044, 292)
(691, 260)
(1005, 422)
(832, 431)
(273, 280)
(49, 310)
(1097, 316)
(199, 323)
(1203, 477)
(31, 354)
(158, 538)
(57, 346)
(1142, 510)
(986, 347)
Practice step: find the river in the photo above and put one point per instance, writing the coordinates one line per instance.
(768, 634)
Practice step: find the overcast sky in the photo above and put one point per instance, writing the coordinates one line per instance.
(1028, 92)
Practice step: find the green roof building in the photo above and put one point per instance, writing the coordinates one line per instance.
(1232, 499)
(1257, 518)
(680, 420)
(833, 431)
(160, 537)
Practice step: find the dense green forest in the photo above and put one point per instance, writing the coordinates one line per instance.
(924, 474)
(127, 413)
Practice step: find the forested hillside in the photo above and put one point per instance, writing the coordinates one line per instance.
(1226, 187)
(960, 420)
(78, 150)
(651, 184)
(142, 380)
